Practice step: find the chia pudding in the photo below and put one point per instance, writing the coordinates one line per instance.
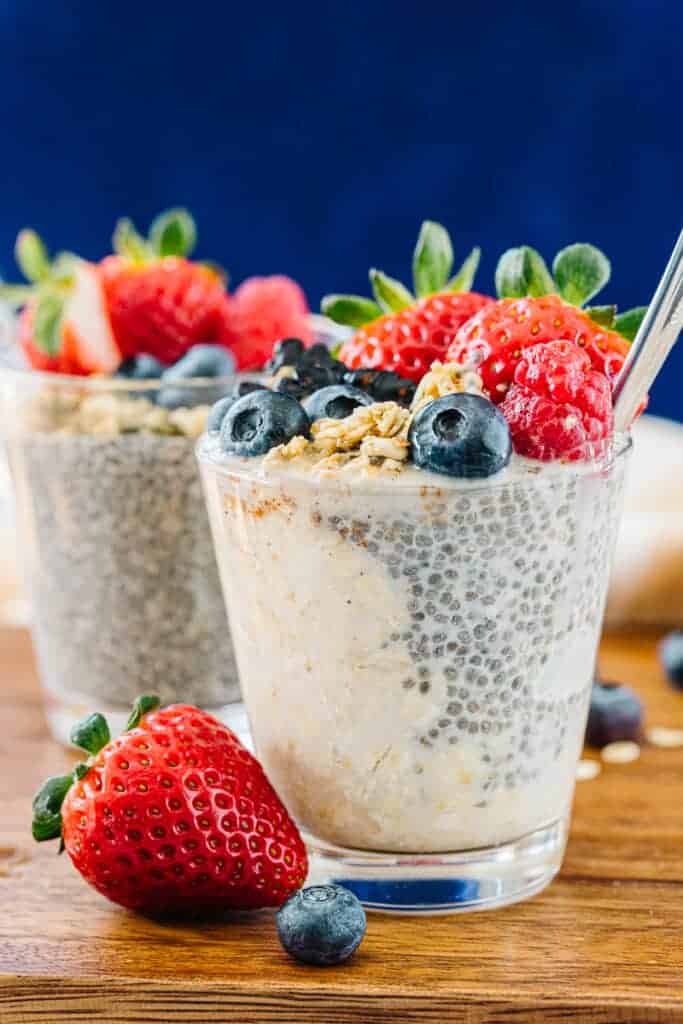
(116, 546)
(416, 651)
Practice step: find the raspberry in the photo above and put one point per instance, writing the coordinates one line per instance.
(558, 407)
(265, 310)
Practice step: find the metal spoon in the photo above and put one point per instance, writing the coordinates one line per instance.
(653, 342)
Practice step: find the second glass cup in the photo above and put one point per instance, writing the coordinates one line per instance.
(416, 655)
(115, 544)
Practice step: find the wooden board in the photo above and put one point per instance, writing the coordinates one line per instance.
(603, 944)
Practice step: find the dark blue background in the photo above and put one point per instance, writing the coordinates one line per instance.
(314, 138)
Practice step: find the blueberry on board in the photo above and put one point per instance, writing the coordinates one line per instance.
(615, 713)
(335, 402)
(460, 435)
(260, 420)
(286, 352)
(142, 367)
(321, 925)
(671, 655)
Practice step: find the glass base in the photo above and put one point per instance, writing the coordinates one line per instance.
(443, 883)
(62, 714)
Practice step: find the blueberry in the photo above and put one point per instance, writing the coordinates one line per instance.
(218, 411)
(198, 361)
(142, 367)
(286, 352)
(671, 655)
(335, 402)
(260, 420)
(307, 380)
(202, 361)
(322, 925)
(615, 713)
(245, 387)
(382, 385)
(460, 435)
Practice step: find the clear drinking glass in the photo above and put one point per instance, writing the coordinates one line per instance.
(115, 544)
(416, 660)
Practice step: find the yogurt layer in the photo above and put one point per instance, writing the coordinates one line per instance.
(416, 652)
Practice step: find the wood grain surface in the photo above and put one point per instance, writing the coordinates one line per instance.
(603, 944)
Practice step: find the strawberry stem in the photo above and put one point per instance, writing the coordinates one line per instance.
(464, 279)
(628, 322)
(47, 807)
(522, 271)
(351, 310)
(432, 259)
(143, 705)
(581, 271)
(389, 293)
(91, 734)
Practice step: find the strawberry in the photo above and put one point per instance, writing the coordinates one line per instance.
(64, 326)
(265, 310)
(400, 332)
(530, 311)
(558, 406)
(161, 303)
(174, 815)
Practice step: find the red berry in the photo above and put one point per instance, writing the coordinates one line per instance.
(496, 337)
(177, 815)
(162, 308)
(264, 310)
(558, 407)
(410, 341)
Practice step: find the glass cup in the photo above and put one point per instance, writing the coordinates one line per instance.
(115, 544)
(416, 656)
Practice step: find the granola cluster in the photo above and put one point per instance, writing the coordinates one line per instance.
(112, 414)
(374, 438)
(445, 379)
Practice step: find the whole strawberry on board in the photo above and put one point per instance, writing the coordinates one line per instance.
(160, 302)
(64, 325)
(174, 815)
(404, 332)
(536, 306)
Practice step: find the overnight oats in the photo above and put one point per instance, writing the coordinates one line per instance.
(124, 360)
(415, 583)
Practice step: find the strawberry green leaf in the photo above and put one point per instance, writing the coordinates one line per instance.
(628, 323)
(391, 295)
(16, 295)
(31, 256)
(47, 323)
(351, 310)
(91, 734)
(143, 705)
(128, 243)
(173, 233)
(522, 271)
(47, 807)
(63, 268)
(464, 279)
(581, 271)
(603, 315)
(432, 259)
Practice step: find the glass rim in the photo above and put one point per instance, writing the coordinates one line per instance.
(102, 383)
(238, 467)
